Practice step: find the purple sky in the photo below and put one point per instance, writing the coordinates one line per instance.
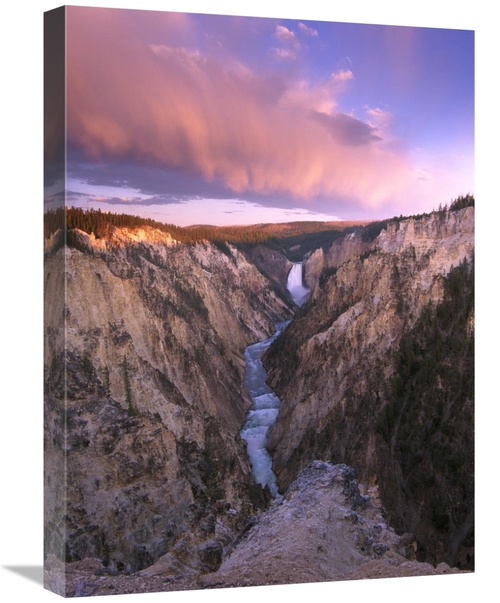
(214, 119)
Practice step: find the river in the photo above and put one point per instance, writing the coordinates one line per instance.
(265, 403)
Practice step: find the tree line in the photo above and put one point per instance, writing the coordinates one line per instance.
(100, 223)
(301, 236)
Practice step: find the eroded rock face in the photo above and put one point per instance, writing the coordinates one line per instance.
(150, 362)
(326, 527)
(452, 229)
(321, 529)
(273, 264)
(333, 370)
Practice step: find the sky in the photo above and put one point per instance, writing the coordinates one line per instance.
(190, 118)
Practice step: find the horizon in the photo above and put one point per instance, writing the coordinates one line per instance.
(195, 118)
(253, 224)
(200, 225)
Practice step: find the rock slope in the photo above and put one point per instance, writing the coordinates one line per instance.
(322, 529)
(144, 395)
(326, 527)
(334, 370)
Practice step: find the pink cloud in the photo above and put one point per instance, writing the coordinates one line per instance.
(172, 106)
(283, 53)
(342, 75)
(308, 31)
(301, 95)
(286, 36)
(379, 117)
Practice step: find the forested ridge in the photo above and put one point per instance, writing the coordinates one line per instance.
(98, 222)
(293, 239)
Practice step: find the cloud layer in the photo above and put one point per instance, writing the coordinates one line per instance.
(141, 91)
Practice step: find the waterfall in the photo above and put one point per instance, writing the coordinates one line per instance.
(295, 284)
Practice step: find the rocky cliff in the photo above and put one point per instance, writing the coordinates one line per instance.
(421, 233)
(145, 397)
(323, 528)
(326, 527)
(273, 264)
(347, 370)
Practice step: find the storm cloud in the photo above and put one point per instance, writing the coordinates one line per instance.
(141, 92)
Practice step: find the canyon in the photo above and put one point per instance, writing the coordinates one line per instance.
(145, 399)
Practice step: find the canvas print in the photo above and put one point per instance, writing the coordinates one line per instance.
(259, 301)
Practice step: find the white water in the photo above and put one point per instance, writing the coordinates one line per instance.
(264, 410)
(295, 285)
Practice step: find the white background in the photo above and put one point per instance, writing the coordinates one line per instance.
(21, 281)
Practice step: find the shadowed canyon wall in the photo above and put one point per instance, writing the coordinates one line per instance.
(376, 371)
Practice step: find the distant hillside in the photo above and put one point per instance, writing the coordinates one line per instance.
(293, 239)
(289, 238)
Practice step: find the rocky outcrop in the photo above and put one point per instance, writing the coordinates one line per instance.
(314, 265)
(144, 395)
(326, 527)
(336, 369)
(321, 529)
(393, 236)
(340, 251)
(273, 264)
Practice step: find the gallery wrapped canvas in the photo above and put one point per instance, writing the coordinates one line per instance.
(259, 301)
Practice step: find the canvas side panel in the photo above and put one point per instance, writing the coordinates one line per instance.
(54, 301)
